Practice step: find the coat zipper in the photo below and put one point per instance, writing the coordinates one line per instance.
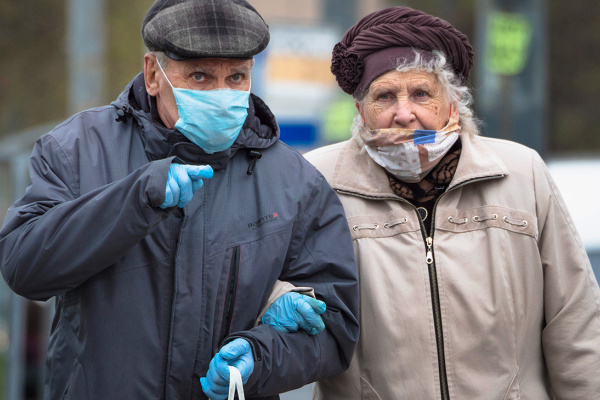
(437, 318)
(433, 281)
(231, 293)
(435, 293)
(175, 288)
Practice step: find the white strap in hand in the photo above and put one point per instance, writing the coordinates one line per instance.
(235, 382)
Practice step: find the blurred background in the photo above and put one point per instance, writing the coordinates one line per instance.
(536, 81)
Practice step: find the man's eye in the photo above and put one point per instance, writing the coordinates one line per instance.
(237, 77)
(198, 77)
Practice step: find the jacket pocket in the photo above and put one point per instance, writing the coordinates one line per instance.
(231, 292)
(77, 389)
(382, 225)
(513, 392)
(472, 219)
(60, 366)
(366, 390)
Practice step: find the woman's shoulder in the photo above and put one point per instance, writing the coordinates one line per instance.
(325, 158)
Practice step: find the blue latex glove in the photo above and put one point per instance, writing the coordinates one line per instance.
(183, 181)
(292, 311)
(237, 353)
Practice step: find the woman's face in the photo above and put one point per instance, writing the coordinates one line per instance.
(410, 100)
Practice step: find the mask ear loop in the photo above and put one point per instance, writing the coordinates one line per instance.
(449, 117)
(163, 71)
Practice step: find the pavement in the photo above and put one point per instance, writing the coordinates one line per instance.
(304, 393)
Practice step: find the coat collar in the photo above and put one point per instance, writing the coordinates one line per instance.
(357, 173)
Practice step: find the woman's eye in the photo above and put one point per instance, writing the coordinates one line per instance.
(421, 94)
(383, 96)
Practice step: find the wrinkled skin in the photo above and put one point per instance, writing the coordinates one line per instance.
(197, 74)
(410, 100)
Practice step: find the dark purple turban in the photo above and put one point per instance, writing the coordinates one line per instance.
(400, 28)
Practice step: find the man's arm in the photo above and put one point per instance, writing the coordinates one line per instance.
(54, 239)
(320, 256)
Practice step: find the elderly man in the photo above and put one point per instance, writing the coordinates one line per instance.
(162, 222)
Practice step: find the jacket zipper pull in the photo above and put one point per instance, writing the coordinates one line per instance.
(429, 257)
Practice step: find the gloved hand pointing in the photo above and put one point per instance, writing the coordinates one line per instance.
(292, 311)
(237, 353)
(183, 181)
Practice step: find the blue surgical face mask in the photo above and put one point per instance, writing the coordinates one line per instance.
(212, 119)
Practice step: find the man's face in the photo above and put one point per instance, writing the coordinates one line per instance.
(197, 74)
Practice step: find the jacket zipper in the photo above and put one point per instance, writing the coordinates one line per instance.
(433, 281)
(437, 318)
(231, 293)
(435, 293)
(172, 318)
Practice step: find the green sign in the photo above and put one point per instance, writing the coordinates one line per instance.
(509, 39)
(337, 120)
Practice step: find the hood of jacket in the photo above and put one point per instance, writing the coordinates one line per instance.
(260, 130)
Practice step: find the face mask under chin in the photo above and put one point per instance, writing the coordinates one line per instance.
(409, 154)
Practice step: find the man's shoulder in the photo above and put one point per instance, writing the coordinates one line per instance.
(90, 125)
(285, 161)
(286, 154)
(99, 116)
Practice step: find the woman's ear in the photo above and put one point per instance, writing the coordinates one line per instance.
(454, 111)
(150, 74)
(360, 111)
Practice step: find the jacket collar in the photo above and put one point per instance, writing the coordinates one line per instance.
(357, 173)
(260, 130)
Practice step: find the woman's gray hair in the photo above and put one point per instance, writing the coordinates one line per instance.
(457, 93)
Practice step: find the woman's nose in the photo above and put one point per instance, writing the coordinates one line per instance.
(404, 116)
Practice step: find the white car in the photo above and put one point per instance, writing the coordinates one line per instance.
(579, 183)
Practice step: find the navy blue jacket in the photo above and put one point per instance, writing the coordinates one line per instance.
(145, 296)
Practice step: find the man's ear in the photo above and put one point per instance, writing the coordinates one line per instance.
(150, 74)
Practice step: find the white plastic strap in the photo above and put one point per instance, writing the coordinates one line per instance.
(235, 382)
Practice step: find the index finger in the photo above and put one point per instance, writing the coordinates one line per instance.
(218, 371)
(196, 172)
(310, 317)
(316, 305)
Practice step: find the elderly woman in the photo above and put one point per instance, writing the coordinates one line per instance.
(474, 282)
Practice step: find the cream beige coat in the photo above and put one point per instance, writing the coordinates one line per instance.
(501, 304)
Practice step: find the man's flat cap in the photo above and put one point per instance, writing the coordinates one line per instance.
(186, 29)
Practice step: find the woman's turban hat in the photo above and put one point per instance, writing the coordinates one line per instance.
(396, 27)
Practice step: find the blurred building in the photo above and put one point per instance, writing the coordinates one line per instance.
(293, 74)
(311, 12)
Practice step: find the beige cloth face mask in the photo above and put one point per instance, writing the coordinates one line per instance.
(409, 154)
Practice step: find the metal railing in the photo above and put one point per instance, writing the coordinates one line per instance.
(14, 177)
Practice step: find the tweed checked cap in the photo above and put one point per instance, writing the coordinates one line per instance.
(186, 29)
